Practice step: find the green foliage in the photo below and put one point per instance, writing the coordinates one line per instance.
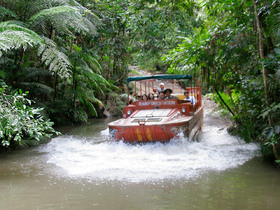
(88, 85)
(65, 19)
(112, 44)
(155, 27)
(56, 60)
(80, 115)
(21, 121)
(149, 62)
(13, 36)
(270, 140)
(115, 104)
(273, 109)
(6, 14)
(73, 87)
(224, 54)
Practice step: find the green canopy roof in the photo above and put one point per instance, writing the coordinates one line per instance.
(159, 77)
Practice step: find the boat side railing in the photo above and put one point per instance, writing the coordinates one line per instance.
(185, 107)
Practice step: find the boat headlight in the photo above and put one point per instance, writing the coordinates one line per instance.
(176, 130)
(128, 112)
(183, 109)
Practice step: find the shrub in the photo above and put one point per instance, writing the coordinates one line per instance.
(19, 121)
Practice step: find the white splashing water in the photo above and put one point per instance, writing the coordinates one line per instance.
(178, 159)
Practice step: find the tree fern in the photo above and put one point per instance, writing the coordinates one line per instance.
(273, 21)
(83, 10)
(31, 72)
(65, 19)
(6, 13)
(14, 36)
(37, 87)
(46, 4)
(96, 81)
(56, 60)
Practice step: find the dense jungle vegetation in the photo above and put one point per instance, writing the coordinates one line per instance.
(67, 60)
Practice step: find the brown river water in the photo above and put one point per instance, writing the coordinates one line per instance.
(84, 169)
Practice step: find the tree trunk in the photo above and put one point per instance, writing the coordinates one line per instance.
(74, 85)
(228, 108)
(261, 51)
(55, 86)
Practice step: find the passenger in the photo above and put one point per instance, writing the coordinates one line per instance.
(156, 94)
(189, 98)
(161, 87)
(144, 97)
(168, 94)
(161, 96)
(151, 96)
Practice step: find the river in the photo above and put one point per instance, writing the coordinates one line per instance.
(83, 169)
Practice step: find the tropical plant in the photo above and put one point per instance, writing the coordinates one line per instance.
(14, 35)
(54, 35)
(233, 61)
(156, 27)
(19, 121)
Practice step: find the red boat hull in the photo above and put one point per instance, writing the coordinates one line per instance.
(163, 131)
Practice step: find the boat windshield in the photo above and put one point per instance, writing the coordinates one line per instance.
(153, 113)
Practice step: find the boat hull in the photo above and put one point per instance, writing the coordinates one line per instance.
(188, 126)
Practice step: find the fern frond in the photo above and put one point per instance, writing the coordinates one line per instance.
(40, 88)
(92, 109)
(92, 62)
(273, 22)
(4, 12)
(84, 11)
(45, 4)
(14, 36)
(66, 19)
(93, 79)
(87, 95)
(56, 60)
(87, 78)
(32, 72)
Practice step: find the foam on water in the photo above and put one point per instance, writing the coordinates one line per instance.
(178, 159)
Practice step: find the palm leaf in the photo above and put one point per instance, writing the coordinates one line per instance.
(92, 62)
(92, 109)
(273, 21)
(87, 98)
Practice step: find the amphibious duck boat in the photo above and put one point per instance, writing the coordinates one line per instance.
(159, 120)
